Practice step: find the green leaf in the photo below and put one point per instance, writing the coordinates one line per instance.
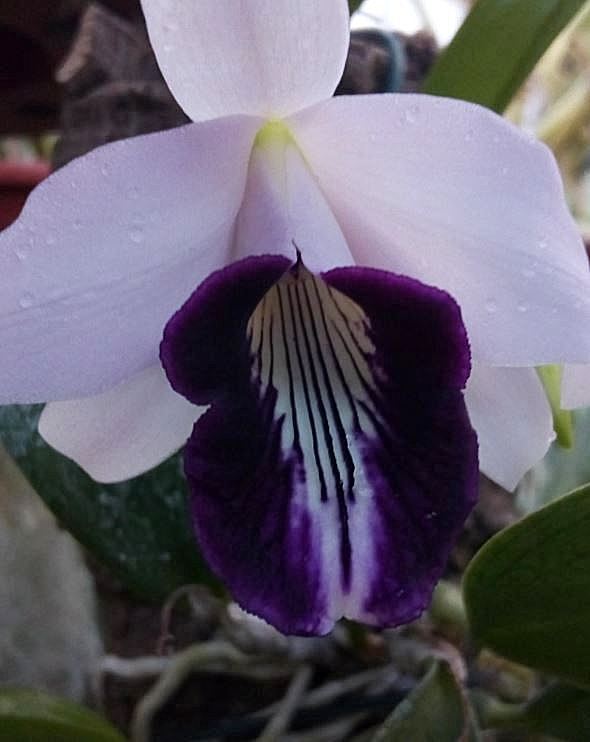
(139, 528)
(527, 591)
(436, 711)
(354, 5)
(496, 48)
(32, 716)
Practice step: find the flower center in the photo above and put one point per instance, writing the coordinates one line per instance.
(274, 133)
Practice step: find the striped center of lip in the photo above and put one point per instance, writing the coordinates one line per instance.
(312, 345)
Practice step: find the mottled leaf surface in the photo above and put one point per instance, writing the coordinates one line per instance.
(139, 528)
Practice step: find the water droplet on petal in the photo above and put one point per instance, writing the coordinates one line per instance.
(50, 239)
(469, 135)
(21, 254)
(543, 243)
(77, 225)
(491, 306)
(26, 301)
(504, 171)
(55, 294)
(522, 307)
(136, 235)
(528, 273)
(105, 170)
(411, 114)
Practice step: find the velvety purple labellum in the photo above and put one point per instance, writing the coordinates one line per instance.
(336, 464)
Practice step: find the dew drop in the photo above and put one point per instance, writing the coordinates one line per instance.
(528, 273)
(522, 307)
(55, 294)
(105, 170)
(491, 306)
(543, 243)
(50, 240)
(432, 514)
(411, 114)
(168, 48)
(469, 135)
(21, 254)
(504, 171)
(77, 225)
(136, 235)
(26, 301)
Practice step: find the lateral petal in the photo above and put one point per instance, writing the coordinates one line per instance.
(457, 197)
(353, 463)
(107, 248)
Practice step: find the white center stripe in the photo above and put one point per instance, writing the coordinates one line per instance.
(312, 344)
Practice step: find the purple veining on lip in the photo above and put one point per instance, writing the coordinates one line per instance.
(336, 464)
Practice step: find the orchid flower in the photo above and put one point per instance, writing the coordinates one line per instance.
(332, 461)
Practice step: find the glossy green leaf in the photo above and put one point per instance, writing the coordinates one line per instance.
(139, 528)
(527, 591)
(436, 711)
(497, 47)
(32, 716)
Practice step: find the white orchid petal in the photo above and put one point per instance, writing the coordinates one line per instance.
(284, 210)
(452, 194)
(124, 432)
(510, 413)
(107, 249)
(575, 386)
(263, 57)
